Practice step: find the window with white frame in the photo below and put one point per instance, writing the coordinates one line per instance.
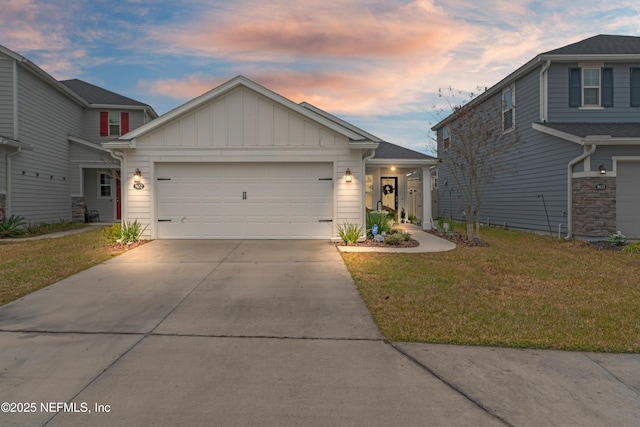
(446, 137)
(104, 185)
(114, 123)
(508, 109)
(591, 87)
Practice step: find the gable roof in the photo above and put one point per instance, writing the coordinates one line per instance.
(97, 96)
(389, 151)
(601, 44)
(356, 137)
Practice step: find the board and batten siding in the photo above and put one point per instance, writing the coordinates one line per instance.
(46, 117)
(240, 126)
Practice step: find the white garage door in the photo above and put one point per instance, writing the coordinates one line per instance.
(628, 199)
(244, 200)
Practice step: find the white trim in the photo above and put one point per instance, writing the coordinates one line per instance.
(86, 143)
(616, 159)
(99, 195)
(588, 140)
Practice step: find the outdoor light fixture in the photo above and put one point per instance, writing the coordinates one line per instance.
(347, 176)
(393, 168)
(602, 169)
(137, 175)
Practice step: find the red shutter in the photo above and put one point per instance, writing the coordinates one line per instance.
(124, 123)
(104, 123)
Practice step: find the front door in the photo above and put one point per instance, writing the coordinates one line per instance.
(389, 188)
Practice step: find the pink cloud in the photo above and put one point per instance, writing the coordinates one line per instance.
(282, 30)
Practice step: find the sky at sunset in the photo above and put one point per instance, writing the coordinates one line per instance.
(377, 64)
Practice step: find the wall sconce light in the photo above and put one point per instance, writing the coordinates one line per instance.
(393, 168)
(137, 175)
(602, 169)
(347, 176)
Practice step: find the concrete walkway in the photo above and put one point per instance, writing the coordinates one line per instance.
(428, 243)
(270, 333)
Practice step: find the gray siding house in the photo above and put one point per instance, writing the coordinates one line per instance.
(52, 165)
(576, 113)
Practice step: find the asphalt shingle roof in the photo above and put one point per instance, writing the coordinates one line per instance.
(615, 130)
(387, 150)
(97, 95)
(601, 44)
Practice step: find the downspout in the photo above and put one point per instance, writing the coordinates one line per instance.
(570, 166)
(544, 82)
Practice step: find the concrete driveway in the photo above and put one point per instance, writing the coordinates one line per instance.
(269, 333)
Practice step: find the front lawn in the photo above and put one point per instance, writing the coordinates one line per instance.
(522, 290)
(28, 266)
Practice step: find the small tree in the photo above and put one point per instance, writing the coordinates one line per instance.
(476, 150)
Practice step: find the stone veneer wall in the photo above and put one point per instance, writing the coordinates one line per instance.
(78, 206)
(594, 211)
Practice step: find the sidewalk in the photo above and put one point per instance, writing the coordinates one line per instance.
(428, 243)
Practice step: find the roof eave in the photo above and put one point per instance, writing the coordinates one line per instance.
(148, 108)
(404, 162)
(589, 139)
(14, 143)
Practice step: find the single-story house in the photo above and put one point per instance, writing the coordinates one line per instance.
(241, 161)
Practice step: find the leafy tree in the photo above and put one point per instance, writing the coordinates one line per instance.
(476, 148)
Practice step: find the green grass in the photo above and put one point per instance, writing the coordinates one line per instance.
(28, 266)
(523, 290)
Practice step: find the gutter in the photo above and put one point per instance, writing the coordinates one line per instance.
(570, 166)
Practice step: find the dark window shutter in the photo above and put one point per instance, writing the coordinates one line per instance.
(104, 123)
(635, 87)
(575, 87)
(607, 87)
(124, 123)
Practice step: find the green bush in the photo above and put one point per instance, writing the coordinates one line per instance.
(632, 248)
(12, 226)
(617, 238)
(128, 233)
(393, 239)
(383, 221)
(349, 232)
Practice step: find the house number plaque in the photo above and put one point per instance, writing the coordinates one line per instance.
(138, 186)
(601, 187)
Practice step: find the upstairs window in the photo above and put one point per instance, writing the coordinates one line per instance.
(591, 86)
(446, 138)
(635, 87)
(113, 123)
(508, 109)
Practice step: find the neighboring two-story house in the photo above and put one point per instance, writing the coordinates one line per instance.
(576, 164)
(52, 165)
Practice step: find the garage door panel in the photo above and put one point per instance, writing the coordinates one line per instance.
(628, 199)
(249, 200)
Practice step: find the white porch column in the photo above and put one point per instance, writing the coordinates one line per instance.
(426, 198)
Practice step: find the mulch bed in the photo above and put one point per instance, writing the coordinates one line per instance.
(456, 238)
(411, 243)
(604, 246)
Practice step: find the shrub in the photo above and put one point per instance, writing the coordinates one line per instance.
(11, 226)
(131, 232)
(113, 233)
(381, 220)
(394, 239)
(632, 248)
(617, 238)
(128, 233)
(349, 232)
